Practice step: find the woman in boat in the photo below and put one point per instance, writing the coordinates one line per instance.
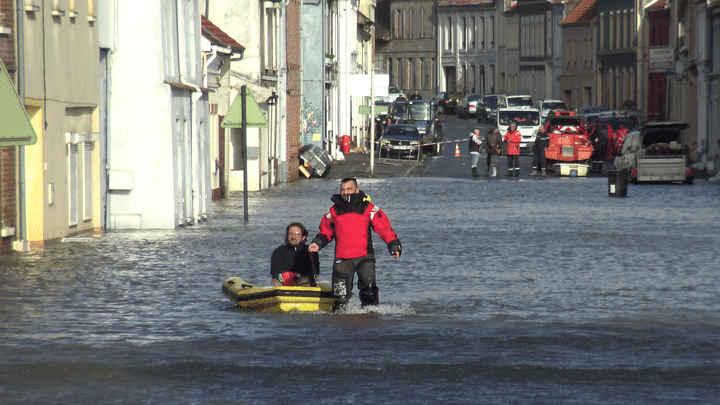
(291, 263)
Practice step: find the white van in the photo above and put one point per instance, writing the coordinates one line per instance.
(515, 101)
(527, 121)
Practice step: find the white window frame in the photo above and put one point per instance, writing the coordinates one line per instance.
(73, 182)
(88, 148)
(80, 170)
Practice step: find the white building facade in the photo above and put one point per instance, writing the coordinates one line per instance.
(467, 47)
(155, 115)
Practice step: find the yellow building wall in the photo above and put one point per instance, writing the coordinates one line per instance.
(34, 179)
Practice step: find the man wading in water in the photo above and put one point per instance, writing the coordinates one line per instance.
(349, 222)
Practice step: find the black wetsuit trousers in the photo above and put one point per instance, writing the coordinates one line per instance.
(344, 272)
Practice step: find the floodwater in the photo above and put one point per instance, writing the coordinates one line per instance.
(534, 291)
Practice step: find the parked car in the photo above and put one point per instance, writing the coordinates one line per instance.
(400, 141)
(467, 107)
(515, 101)
(446, 102)
(487, 108)
(423, 114)
(527, 121)
(547, 105)
(656, 153)
(614, 117)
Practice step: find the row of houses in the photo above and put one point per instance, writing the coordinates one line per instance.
(135, 106)
(660, 58)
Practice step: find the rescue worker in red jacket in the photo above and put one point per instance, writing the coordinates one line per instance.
(349, 222)
(620, 135)
(513, 138)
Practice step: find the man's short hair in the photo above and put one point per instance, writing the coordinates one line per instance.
(299, 225)
(348, 179)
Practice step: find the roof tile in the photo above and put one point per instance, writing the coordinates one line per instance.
(583, 12)
(219, 34)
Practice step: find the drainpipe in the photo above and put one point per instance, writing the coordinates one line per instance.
(21, 243)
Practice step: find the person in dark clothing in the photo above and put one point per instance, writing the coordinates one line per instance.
(416, 96)
(539, 162)
(291, 263)
(493, 146)
(349, 222)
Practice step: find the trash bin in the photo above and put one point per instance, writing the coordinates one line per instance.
(317, 159)
(345, 144)
(617, 183)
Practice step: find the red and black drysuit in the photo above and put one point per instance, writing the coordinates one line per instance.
(349, 222)
(289, 262)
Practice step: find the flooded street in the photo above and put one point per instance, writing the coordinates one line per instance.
(510, 291)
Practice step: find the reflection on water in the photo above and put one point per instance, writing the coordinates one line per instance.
(511, 286)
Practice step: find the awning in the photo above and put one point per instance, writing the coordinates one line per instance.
(254, 116)
(15, 127)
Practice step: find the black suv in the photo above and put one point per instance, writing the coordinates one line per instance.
(487, 108)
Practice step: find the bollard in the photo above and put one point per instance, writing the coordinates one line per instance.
(617, 183)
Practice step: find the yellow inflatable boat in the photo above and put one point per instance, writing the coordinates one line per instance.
(279, 299)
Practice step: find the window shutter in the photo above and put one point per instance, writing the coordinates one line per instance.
(73, 184)
(87, 178)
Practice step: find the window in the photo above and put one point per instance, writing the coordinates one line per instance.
(87, 180)
(269, 40)
(601, 24)
(481, 33)
(169, 38)
(448, 34)
(73, 182)
(611, 30)
(463, 33)
(471, 33)
(471, 79)
(491, 32)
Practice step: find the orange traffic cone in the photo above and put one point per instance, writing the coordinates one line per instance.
(457, 150)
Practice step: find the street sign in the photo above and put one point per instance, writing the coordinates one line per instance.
(15, 127)
(661, 58)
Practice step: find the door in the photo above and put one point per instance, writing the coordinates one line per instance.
(657, 96)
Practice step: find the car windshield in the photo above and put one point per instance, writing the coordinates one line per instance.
(401, 131)
(473, 97)
(519, 117)
(399, 109)
(491, 102)
(554, 106)
(420, 112)
(519, 102)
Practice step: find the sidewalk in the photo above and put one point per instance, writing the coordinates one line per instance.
(357, 164)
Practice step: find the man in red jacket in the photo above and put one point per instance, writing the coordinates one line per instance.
(513, 138)
(349, 222)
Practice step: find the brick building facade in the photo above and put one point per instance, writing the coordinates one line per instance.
(294, 87)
